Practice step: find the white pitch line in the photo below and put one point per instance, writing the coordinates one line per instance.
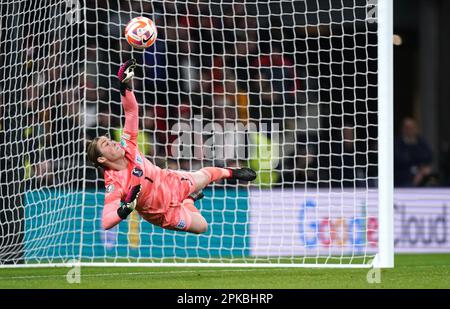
(142, 273)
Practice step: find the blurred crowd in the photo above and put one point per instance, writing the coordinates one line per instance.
(413, 158)
(215, 65)
(225, 65)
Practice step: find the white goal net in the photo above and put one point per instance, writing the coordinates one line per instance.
(288, 88)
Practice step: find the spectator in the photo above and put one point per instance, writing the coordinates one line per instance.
(299, 166)
(344, 158)
(412, 156)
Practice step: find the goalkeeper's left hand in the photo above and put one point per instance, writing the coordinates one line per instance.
(129, 204)
(126, 74)
(126, 71)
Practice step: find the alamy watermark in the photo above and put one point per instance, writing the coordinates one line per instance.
(372, 13)
(227, 141)
(373, 275)
(73, 11)
(74, 274)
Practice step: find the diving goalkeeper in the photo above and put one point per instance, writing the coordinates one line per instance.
(162, 197)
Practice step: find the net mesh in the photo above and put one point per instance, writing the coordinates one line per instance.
(288, 88)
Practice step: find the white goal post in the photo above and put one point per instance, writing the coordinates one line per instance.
(300, 91)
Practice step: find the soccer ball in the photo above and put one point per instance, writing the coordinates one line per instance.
(141, 32)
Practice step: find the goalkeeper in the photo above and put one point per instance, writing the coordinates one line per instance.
(162, 197)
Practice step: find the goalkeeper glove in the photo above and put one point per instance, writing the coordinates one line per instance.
(126, 74)
(128, 205)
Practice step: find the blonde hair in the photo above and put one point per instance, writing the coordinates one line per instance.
(93, 153)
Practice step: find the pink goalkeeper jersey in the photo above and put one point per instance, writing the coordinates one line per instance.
(160, 189)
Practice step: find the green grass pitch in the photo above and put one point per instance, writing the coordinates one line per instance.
(411, 271)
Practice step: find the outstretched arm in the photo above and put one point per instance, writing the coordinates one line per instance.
(110, 217)
(131, 109)
(129, 103)
(115, 209)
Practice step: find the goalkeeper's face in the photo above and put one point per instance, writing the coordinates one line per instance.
(110, 150)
